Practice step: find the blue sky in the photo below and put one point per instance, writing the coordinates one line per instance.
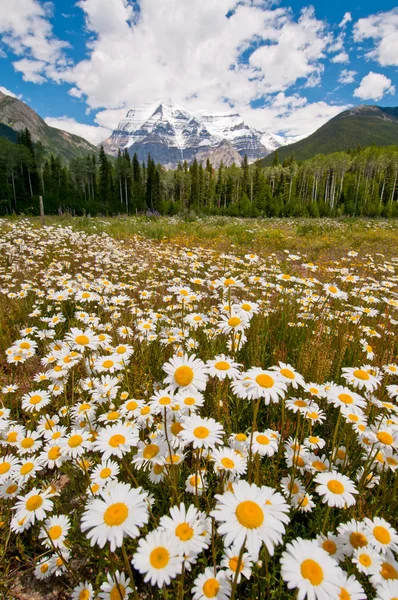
(286, 67)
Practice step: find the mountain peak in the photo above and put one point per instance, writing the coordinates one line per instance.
(172, 134)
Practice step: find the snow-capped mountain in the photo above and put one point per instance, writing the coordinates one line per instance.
(171, 134)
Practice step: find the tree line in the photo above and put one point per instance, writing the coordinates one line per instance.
(359, 182)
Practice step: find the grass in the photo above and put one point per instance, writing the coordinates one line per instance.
(323, 297)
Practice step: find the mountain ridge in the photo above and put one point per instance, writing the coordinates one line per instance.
(172, 134)
(17, 115)
(363, 125)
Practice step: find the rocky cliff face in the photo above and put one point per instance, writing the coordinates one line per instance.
(171, 135)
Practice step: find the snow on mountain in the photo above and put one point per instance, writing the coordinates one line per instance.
(171, 134)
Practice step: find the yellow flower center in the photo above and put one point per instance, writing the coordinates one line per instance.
(189, 401)
(287, 373)
(107, 364)
(54, 453)
(55, 532)
(118, 592)
(262, 439)
(26, 468)
(34, 502)
(365, 560)
(312, 571)
(319, 465)
(35, 399)
(265, 381)
(361, 374)
(329, 546)
(84, 595)
(132, 405)
(75, 441)
(150, 451)
(388, 571)
(201, 432)
(210, 588)
(184, 376)
(313, 439)
(227, 463)
(116, 440)
(249, 514)
(344, 594)
(145, 410)
(105, 473)
(385, 438)
(44, 568)
(358, 540)
(184, 532)
(176, 428)
(112, 415)
(335, 486)
(333, 289)
(159, 557)
(222, 365)
(241, 437)
(116, 514)
(300, 403)
(12, 488)
(345, 398)
(82, 340)
(234, 321)
(165, 400)
(233, 564)
(158, 469)
(4, 467)
(382, 535)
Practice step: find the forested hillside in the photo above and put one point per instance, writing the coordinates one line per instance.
(362, 182)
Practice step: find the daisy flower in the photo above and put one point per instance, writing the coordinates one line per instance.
(342, 397)
(115, 440)
(310, 569)
(106, 471)
(28, 468)
(332, 545)
(76, 443)
(83, 591)
(367, 560)
(335, 489)
(361, 378)
(289, 375)
(230, 562)
(351, 589)
(388, 571)
(42, 569)
(223, 367)
(202, 432)
(195, 484)
(8, 467)
(261, 384)
(35, 401)
(226, 459)
(9, 489)
(157, 558)
(119, 512)
(387, 590)
(152, 453)
(381, 535)
(189, 401)
(353, 536)
(186, 527)
(251, 515)
(33, 506)
(264, 443)
(79, 339)
(211, 585)
(117, 587)
(235, 323)
(185, 371)
(54, 531)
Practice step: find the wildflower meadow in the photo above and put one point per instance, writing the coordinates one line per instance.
(202, 409)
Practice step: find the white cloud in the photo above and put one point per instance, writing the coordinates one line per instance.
(382, 29)
(292, 115)
(347, 76)
(92, 133)
(9, 92)
(342, 57)
(192, 54)
(346, 19)
(374, 86)
(26, 30)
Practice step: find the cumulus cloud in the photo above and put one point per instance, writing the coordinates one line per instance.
(342, 57)
(382, 30)
(92, 133)
(374, 86)
(9, 92)
(346, 19)
(347, 76)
